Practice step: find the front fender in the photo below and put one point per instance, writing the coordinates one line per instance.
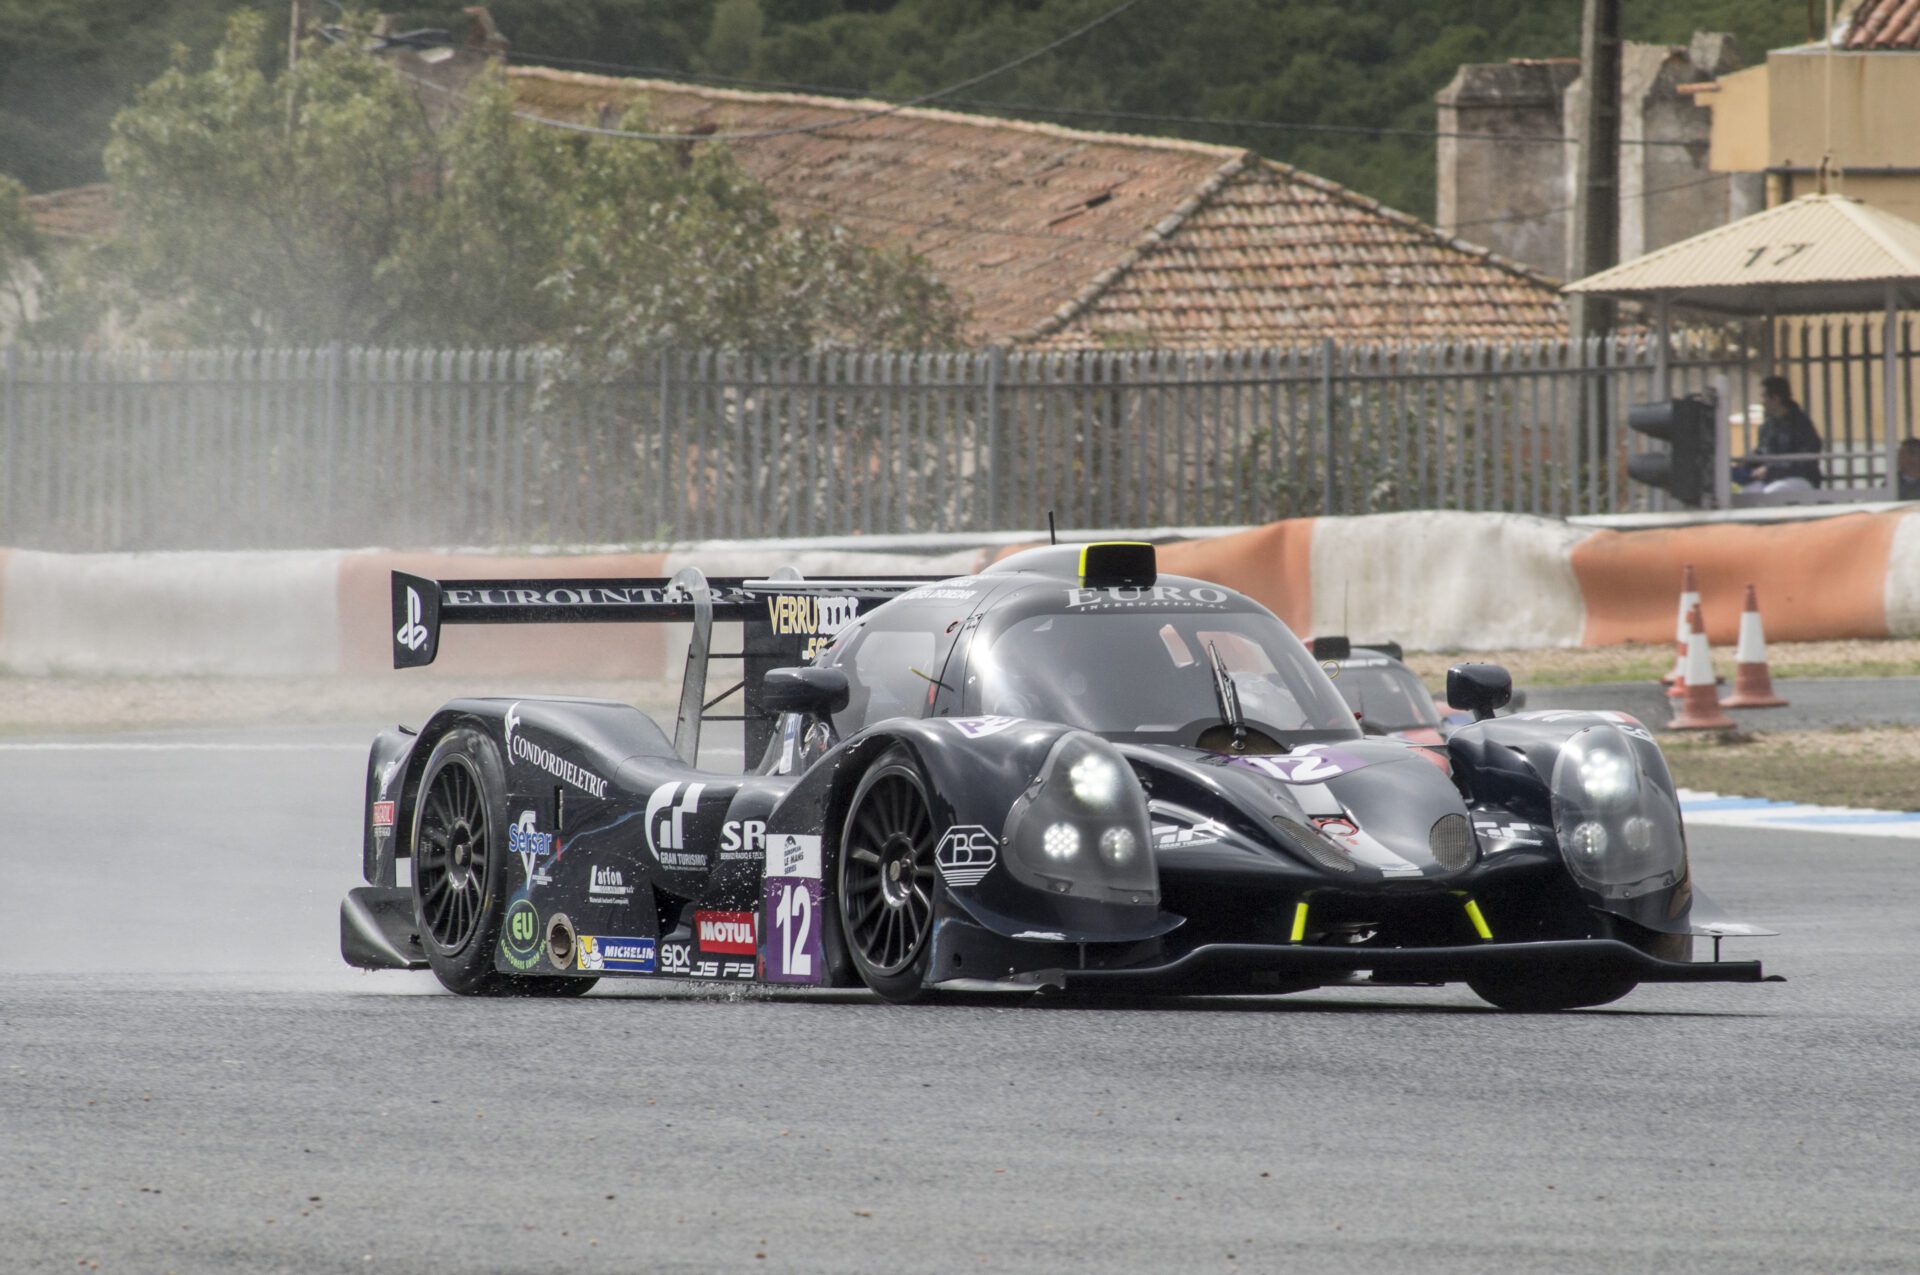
(976, 769)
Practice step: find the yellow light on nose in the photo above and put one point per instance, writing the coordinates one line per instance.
(1479, 922)
(1299, 922)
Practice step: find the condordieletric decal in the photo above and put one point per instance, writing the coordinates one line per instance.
(520, 748)
(520, 935)
(966, 853)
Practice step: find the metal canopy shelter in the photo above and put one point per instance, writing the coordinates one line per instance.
(1819, 254)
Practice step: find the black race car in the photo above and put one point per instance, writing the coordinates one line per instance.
(1068, 772)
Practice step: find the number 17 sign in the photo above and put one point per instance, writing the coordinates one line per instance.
(790, 930)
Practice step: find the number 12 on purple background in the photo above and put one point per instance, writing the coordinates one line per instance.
(791, 930)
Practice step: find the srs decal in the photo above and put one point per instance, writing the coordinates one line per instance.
(613, 955)
(743, 839)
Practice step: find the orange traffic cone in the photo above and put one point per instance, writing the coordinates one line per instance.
(1752, 683)
(1676, 679)
(1700, 708)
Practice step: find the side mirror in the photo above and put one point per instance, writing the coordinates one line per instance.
(805, 690)
(1331, 648)
(1479, 688)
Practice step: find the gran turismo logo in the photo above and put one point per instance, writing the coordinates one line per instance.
(412, 634)
(666, 821)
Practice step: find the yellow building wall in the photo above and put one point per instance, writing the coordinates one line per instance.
(1876, 99)
(1739, 134)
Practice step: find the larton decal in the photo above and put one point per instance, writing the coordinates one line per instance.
(725, 932)
(666, 824)
(1159, 595)
(412, 634)
(966, 854)
(608, 886)
(520, 748)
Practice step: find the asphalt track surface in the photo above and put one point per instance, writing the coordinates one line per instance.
(189, 1081)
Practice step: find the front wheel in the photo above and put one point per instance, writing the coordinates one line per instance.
(1546, 993)
(886, 879)
(460, 890)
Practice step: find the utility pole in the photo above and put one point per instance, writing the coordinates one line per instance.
(1596, 213)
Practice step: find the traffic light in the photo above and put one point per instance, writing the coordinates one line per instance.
(1685, 469)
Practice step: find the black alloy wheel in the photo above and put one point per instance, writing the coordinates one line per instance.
(887, 879)
(450, 866)
(460, 885)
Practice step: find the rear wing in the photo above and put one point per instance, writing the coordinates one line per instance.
(785, 620)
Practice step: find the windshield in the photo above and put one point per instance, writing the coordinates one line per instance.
(1387, 696)
(1150, 674)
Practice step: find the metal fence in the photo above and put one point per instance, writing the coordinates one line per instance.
(347, 447)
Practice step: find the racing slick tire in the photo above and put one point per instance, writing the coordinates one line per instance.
(885, 879)
(1548, 993)
(459, 870)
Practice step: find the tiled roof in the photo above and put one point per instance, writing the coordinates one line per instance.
(1277, 256)
(1884, 24)
(79, 212)
(1077, 239)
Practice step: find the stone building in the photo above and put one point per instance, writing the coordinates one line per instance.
(1508, 152)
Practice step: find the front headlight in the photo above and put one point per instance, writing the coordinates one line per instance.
(1615, 813)
(1081, 829)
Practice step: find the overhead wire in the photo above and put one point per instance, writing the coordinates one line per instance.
(856, 118)
(1151, 117)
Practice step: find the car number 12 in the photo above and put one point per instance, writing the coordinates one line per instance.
(795, 922)
(792, 928)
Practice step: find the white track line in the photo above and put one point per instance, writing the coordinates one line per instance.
(1717, 810)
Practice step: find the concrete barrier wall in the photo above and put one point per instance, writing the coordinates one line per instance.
(1435, 581)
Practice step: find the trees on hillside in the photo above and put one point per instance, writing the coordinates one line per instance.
(327, 203)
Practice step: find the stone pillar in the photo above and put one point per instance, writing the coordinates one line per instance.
(1504, 186)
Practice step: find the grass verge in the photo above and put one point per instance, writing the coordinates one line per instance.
(1875, 767)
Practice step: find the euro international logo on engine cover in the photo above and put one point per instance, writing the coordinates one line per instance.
(615, 955)
(725, 931)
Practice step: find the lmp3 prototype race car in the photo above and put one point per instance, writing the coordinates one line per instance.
(1067, 773)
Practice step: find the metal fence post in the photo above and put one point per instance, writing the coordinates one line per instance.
(996, 362)
(9, 471)
(1326, 424)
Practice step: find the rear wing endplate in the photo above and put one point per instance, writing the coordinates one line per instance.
(785, 621)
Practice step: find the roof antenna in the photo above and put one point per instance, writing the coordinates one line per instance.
(1051, 538)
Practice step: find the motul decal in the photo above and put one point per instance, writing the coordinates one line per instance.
(725, 932)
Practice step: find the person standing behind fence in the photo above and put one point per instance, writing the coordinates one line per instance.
(1909, 476)
(1787, 430)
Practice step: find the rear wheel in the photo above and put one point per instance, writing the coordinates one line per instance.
(460, 887)
(1547, 992)
(886, 879)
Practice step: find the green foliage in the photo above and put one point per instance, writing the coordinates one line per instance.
(326, 204)
(67, 65)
